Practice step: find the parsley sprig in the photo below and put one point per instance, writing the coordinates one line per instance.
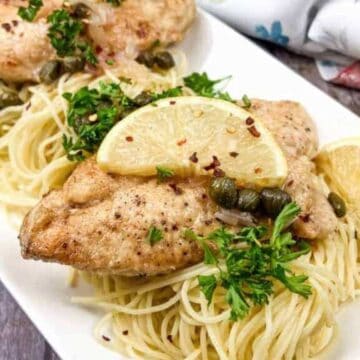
(163, 173)
(30, 12)
(65, 36)
(154, 235)
(249, 261)
(202, 85)
(115, 3)
(93, 112)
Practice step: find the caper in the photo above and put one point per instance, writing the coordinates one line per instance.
(223, 191)
(143, 99)
(164, 60)
(8, 97)
(72, 64)
(273, 200)
(50, 71)
(248, 200)
(80, 11)
(338, 204)
(146, 58)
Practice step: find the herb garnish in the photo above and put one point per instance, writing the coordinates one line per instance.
(246, 102)
(30, 12)
(115, 3)
(163, 173)
(248, 272)
(93, 112)
(64, 34)
(154, 235)
(203, 86)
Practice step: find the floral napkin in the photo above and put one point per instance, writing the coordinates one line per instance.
(328, 30)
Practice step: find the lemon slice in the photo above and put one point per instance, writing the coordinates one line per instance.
(340, 162)
(193, 136)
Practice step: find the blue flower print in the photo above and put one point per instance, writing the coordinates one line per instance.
(275, 34)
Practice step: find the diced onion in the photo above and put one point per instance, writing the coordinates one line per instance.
(235, 217)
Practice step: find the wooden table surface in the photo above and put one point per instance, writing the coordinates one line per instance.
(20, 340)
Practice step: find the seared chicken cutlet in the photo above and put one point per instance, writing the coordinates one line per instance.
(99, 222)
(295, 133)
(114, 32)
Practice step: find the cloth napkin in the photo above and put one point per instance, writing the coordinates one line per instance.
(328, 30)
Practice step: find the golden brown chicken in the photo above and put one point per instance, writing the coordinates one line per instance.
(114, 32)
(296, 134)
(100, 222)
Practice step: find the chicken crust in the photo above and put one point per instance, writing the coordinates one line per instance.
(115, 32)
(296, 134)
(100, 222)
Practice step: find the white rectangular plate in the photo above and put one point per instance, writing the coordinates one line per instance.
(211, 46)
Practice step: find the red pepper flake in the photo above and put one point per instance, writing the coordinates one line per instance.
(129, 138)
(177, 190)
(181, 142)
(193, 158)
(125, 332)
(169, 337)
(290, 182)
(98, 49)
(172, 102)
(305, 218)
(213, 165)
(6, 27)
(249, 121)
(208, 222)
(218, 172)
(106, 338)
(253, 131)
(258, 170)
(175, 227)
(64, 245)
(204, 196)
(15, 22)
(233, 154)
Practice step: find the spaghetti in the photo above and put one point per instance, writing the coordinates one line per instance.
(168, 317)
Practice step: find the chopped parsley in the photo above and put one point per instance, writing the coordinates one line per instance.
(93, 112)
(154, 235)
(64, 34)
(173, 92)
(115, 3)
(203, 86)
(110, 62)
(208, 285)
(247, 272)
(246, 102)
(30, 12)
(163, 173)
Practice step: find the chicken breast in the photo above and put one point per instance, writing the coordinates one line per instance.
(99, 222)
(295, 132)
(114, 31)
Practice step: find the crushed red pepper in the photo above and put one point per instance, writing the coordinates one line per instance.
(253, 131)
(193, 158)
